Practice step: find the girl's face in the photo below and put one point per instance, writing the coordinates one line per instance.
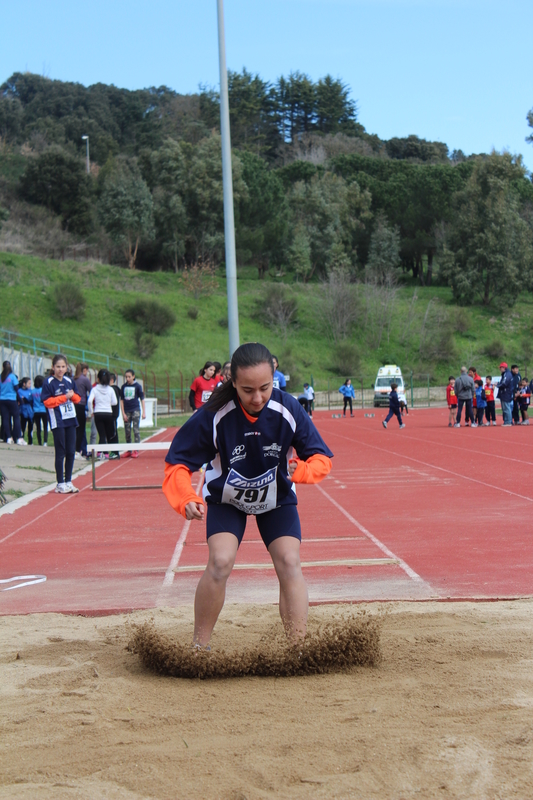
(209, 372)
(27, 385)
(60, 367)
(254, 387)
(348, 382)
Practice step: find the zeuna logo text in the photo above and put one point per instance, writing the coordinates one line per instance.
(272, 450)
(238, 454)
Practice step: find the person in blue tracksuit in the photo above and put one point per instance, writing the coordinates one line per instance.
(348, 393)
(9, 407)
(40, 414)
(25, 398)
(59, 397)
(394, 407)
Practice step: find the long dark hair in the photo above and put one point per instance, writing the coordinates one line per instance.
(247, 355)
(6, 370)
(38, 382)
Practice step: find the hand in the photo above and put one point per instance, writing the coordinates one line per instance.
(144, 416)
(293, 463)
(70, 394)
(194, 511)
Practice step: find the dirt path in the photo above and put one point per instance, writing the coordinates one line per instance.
(446, 714)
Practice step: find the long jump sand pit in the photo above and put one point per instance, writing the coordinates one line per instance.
(447, 711)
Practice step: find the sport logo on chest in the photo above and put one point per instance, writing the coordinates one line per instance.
(238, 453)
(272, 450)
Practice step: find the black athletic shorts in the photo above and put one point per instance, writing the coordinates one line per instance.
(282, 521)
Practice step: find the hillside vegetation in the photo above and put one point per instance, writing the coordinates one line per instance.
(427, 334)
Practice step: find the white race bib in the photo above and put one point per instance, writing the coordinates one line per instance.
(251, 495)
(67, 410)
(205, 396)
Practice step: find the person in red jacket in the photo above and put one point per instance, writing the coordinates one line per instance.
(451, 399)
(490, 411)
(202, 387)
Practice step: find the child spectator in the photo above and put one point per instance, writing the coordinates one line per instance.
(116, 413)
(59, 397)
(131, 395)
(490, 410)
(348, 393)
(9, 407)
(101, 401)
(516, 380)
(394, 407)
(25, 399)
(306, 398)
(40, 414)
(203, 386)
(524, 399)
(481, 402)
(279, 381)
(451, 399)
(83, 388)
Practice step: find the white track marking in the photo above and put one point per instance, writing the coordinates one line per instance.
(175, 560)
(433, 466)
(477, 452)
(384, 549)
(338, 562)
(29, 580)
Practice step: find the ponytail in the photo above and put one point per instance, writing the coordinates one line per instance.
(6, 370)
(247, 355)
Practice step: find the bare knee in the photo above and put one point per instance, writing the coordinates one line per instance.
(288, 565)
(220, 566)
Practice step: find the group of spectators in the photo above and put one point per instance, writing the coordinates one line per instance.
(22, 408)
(478, 397)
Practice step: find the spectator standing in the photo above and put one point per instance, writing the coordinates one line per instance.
(83, 388)
(505, 393)
(9, 407)
(116, 413)
(464, 389)
(40, 414)
(306, 399)
(490, 411)
(481, 402)
(100, 403)
(131, 403)
(517, 380)
(59, 397)
(348, 393)
(524, 398)
(203, 386)
(394, 407)
(25, 399)
(279, 377)
(451, 399)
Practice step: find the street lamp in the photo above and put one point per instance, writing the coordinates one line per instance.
(88, 165)
(227, 182)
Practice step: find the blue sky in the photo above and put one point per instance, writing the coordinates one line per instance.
(451, 70)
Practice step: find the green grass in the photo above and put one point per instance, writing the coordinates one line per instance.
(29, 285)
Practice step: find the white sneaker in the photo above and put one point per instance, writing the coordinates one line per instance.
(457, 425)
(383, 422)
(10, 441)
(402, 426)
(62, 488)
(21, 441)
(45, 444)
(474, 425)
(71, 488)
(78, 456)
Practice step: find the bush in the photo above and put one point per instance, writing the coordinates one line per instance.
(277, 308)
(223, 322)
(462, 320)
(193, 312)
(346, 359)
(495, 349)
(70, 300)
(150, 316)
(145, 344)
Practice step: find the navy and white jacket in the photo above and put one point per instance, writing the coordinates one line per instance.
(248, 461)
(62, 415)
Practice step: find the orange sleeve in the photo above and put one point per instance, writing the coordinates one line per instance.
(313, 470)
(178, 488)
(75, 398)
(54, 402)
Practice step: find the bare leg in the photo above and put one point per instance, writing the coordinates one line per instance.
(211, 590)
(293, 597)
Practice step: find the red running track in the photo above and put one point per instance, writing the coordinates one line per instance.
(426, 512)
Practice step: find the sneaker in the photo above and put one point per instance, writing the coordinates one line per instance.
(127, 454)
(62, 488)
(507, 425)
(457, 425)
(493, 423)
(485, 424)
(21, 442)
(71, 488)
(10, 441)
(402, 426)
(474, 425)
(135, 454)
(450, 425)
(78, 456)
(114, 455)
(45, 444)
(384, 423)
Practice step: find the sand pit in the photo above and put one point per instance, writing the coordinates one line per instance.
(447, 712)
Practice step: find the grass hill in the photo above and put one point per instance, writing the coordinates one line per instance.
(428, 333)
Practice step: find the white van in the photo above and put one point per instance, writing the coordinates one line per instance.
(388, 374)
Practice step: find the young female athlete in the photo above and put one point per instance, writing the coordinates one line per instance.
(250, 435)
(202, 387)
(58, 395)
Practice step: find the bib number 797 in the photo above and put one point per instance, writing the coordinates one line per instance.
(251, 495)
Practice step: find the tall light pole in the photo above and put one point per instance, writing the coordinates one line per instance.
(229, 222)
(88, 163)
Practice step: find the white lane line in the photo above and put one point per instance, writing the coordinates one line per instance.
(477, 452)
(175, 560)
(29, 580)
(384, 549)
(433, 466)
(338, 562)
